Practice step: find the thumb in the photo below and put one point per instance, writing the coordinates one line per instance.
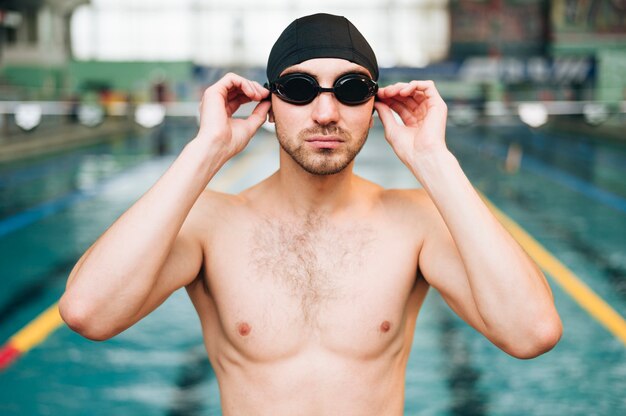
(386, 116)
(259, 115)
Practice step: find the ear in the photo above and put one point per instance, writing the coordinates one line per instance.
(372, 120)
(271, 115)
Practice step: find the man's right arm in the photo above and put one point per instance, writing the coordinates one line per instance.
(152, 249)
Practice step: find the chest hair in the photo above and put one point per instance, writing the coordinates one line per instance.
(310, 259)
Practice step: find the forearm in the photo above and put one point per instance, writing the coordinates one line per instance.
(115, 276)
(509, 291)
(479, 268)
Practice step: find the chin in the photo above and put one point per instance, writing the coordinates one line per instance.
(324, 168)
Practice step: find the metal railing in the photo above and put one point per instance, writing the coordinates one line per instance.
(27, 115)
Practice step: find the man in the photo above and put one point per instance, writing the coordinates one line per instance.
(309, 283)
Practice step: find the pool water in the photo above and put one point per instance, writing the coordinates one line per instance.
(568, 192)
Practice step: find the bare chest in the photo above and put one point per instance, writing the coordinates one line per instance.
(311, 282)
(313, 265)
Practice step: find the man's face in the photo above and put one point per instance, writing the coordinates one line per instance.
(324, 136)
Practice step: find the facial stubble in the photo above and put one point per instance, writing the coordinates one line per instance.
(323, 161)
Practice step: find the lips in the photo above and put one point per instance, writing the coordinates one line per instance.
(325, 142)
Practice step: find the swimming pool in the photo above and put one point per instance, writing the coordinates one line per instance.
(568, 192)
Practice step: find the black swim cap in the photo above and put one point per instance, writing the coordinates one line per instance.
(320, 36)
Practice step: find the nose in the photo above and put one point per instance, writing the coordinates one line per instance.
(325, 109)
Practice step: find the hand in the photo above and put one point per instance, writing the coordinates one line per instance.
(219, 102)
(423, 113)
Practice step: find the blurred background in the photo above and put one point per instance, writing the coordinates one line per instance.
(97, 97)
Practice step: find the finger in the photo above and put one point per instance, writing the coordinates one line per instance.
(407, 94)
(407, 116)
(251, 89)
(257, 91)
(255, 120)
(234, 104)
(234, 99)
(420, 90)
(264, 92)
(220, 93)
(234, 94)
(410, 102)
(428, 88)
(432, 95)
(259, 114)
(237, 97)
(412, 90)
(248, 88)
(408, 89)
(386, 117)
(391, 90)
(232, 83)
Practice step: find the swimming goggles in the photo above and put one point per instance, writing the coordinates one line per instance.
(301, 89)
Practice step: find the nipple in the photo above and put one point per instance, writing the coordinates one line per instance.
(243, 328)
(385, 326)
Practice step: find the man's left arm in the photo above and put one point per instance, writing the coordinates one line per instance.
(467, 255)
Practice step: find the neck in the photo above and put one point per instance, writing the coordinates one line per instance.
(308, 193)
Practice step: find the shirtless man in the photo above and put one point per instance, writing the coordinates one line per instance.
(308, 284)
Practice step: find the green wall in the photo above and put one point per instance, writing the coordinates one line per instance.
(36, 82)
(611, 67)
(127, 76)
(32, 82)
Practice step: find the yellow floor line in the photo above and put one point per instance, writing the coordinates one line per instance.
(570, 283)
(48, 321)
(38, 330)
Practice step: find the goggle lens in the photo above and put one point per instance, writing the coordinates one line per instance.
(297, 89)
(351, 89)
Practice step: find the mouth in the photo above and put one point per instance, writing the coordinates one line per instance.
(325, 142)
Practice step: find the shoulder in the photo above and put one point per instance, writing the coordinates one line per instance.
(410, 209)
(397, 203)
(416, 196)
(210, 200)
(408, 202)
(211, 209)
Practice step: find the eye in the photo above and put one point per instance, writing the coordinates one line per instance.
(298, 89)
(353, 90)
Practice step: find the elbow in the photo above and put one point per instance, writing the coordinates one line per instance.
(541, 339)
(77, 316)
